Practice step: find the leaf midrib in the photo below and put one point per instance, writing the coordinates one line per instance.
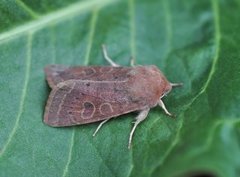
(62, 14)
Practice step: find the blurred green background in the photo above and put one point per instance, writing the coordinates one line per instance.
(194, 42)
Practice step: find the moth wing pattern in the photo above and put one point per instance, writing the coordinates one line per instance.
(75, 102)
(60, 73)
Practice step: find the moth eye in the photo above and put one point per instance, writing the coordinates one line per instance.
(69, 112)
(76, 98)
(88, 84)
(115, 77)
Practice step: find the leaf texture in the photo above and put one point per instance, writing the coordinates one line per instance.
(194, 42)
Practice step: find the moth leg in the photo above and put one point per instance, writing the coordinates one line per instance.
(99, 126)
(161, 104)
(141, 116)
(109, 60)
(132, 61)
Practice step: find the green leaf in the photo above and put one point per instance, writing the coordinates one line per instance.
(194, 42)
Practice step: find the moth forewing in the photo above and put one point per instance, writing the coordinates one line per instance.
(86, 94)
(75, 102)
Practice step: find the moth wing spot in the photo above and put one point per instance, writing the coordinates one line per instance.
(88, 110)
(105, 108)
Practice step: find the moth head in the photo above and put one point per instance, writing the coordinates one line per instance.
(167, 89)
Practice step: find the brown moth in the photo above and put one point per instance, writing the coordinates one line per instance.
(87, 94)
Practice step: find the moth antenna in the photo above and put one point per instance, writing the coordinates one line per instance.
(176, 84)
(105, 55)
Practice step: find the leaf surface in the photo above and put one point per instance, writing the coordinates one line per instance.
(194, 42)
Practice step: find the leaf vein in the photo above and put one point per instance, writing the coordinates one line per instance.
(100, 157)
(53, 42)
(131, 7)
(65, 171)
(91, 35)
(211, 138)
(21, 4)
(132, 45)
(203, 90)
(168, 23)
(68, 12)
(23, 95)
(88, 50)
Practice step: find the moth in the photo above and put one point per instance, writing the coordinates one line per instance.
(87, 94)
